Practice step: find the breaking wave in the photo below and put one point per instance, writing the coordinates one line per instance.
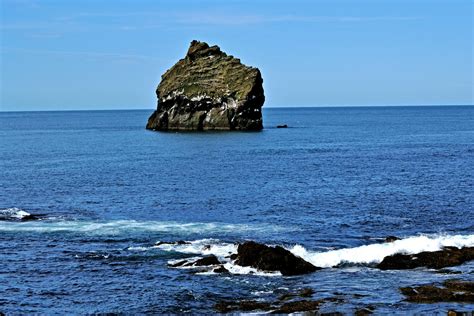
(13, 213)
(363, 255)
(374, 253)
(206, 247)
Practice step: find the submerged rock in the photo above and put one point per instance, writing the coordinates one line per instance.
(208, 90)
(179, 242)
(305, 292)
(267, 258)
(274, 308)
(368, 310)
(298, 306)
(453, 291)
(447, 257)
(246, 306)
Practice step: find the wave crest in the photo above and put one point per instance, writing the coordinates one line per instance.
(13, 213)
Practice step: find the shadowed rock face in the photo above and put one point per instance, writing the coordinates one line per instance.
(209, 90)
(267, 258)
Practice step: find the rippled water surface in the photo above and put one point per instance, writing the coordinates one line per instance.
(105, 190)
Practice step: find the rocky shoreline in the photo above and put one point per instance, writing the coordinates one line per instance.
(276, 259)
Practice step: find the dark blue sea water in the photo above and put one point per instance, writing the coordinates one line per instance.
(107, 190)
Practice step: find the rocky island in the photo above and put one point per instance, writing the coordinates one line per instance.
(208, 90)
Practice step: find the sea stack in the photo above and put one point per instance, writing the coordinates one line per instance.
(208, 90)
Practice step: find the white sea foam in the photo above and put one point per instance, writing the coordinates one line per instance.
(138, 248)
(12, 213)
(236, 269)
(203, 247)
(117, 227)
(374, 253)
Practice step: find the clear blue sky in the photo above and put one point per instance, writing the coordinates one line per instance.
(110, 54)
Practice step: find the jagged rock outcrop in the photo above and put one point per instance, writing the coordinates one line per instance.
(208, 90)
(268, 258)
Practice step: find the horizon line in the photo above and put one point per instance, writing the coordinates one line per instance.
(267, 107)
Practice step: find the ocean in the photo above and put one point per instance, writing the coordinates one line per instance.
(330, 188)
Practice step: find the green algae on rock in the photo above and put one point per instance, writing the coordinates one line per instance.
(209, 90)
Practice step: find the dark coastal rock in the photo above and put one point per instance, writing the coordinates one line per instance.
(220, 269)
(391, 238)
(202, 262)
(447, 257)
(267, 258)
(453, 291)
(208, 90)
(207, 261)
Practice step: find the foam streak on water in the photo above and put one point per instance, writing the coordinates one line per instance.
(126, 227)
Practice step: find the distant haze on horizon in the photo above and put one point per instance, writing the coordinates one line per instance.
(85, 55)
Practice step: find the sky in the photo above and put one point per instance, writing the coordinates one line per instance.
(98, 54)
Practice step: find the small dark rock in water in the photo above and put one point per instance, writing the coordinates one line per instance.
(282, 126)
(448, 271)
(177, 264)
(220, 269)
(305, 292)
(267, 258)
(207, 261)
(453, 291)
(368, 310)
(179, 242)
(246, 306)
(391, 238)
(30, 217)
(458, 285)
(298, 306)
(447, 257)
(208, 90)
